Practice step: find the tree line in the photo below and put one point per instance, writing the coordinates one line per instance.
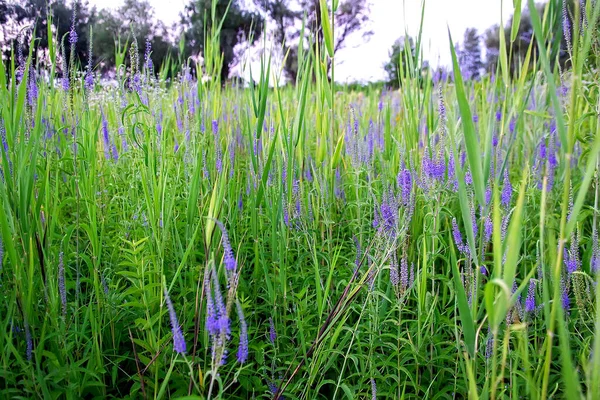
(103, 32)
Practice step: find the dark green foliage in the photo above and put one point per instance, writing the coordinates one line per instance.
(398, 67)
(351, 17)
(239, 25)
(135, 18)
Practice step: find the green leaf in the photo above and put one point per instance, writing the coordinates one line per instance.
(464, 311)
(516, 21)
(471, 140)
(327, 32)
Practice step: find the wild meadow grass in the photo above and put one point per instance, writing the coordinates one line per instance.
(171, 239)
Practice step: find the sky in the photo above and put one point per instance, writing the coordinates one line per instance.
(390, 19)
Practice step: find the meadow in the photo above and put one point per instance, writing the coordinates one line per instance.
(187, 239)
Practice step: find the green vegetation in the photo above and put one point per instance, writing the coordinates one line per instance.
(194, 239)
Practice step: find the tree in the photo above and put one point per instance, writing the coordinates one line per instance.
(350, 17)
(134, 19)
(470, 55)
(238, 26)
(398, 66)
(284, 31)
(518, 49)
(32, 16)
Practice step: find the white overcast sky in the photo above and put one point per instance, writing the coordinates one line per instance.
(390, 19)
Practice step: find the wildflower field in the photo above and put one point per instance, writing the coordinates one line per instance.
(187, 239)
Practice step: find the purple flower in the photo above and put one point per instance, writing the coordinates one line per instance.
(106, 137)
(114, 152)
(488, 194)
(488, 228)
(212, 324)
(228, 256)
(218, 160)
(61, 284)
(404, 181)
(565, 302)
(272, 332)
(489, 347)
(474, 223)
(530, 300)
(73, 35)
(441, 107)
(571, 256)
(89, 80)
(566, 25)
(178, 340)
(511, 125)
(223, 318)
(458, 238)
(394, 276)
(404, 278)
(373, 389)
(242, 354)
(147, 59)
(274, 389)
(65, 82)
(388, 214)
(506, 190)
(28, 340)
(542, 151)
(32, 90)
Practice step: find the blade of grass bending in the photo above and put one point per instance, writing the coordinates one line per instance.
(326, 25)
(516, 21)
(512, 245)
(471, 141)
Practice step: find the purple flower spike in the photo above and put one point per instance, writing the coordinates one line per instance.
(178, 340)
(28, 340)
(394, 276)
(506, 190)
(222, 318)
(530, 300)
(272, 332)
(61, 284)
(228, 256)
(405, 184)
(242, 354)
(373, 389)
(566, 25)
(73, 36)
(404, 277)
(566, 303)
(89, 81)
(212, 325)
(488, 227)
(458, 238)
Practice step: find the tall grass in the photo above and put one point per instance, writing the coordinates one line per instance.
(188, 238)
